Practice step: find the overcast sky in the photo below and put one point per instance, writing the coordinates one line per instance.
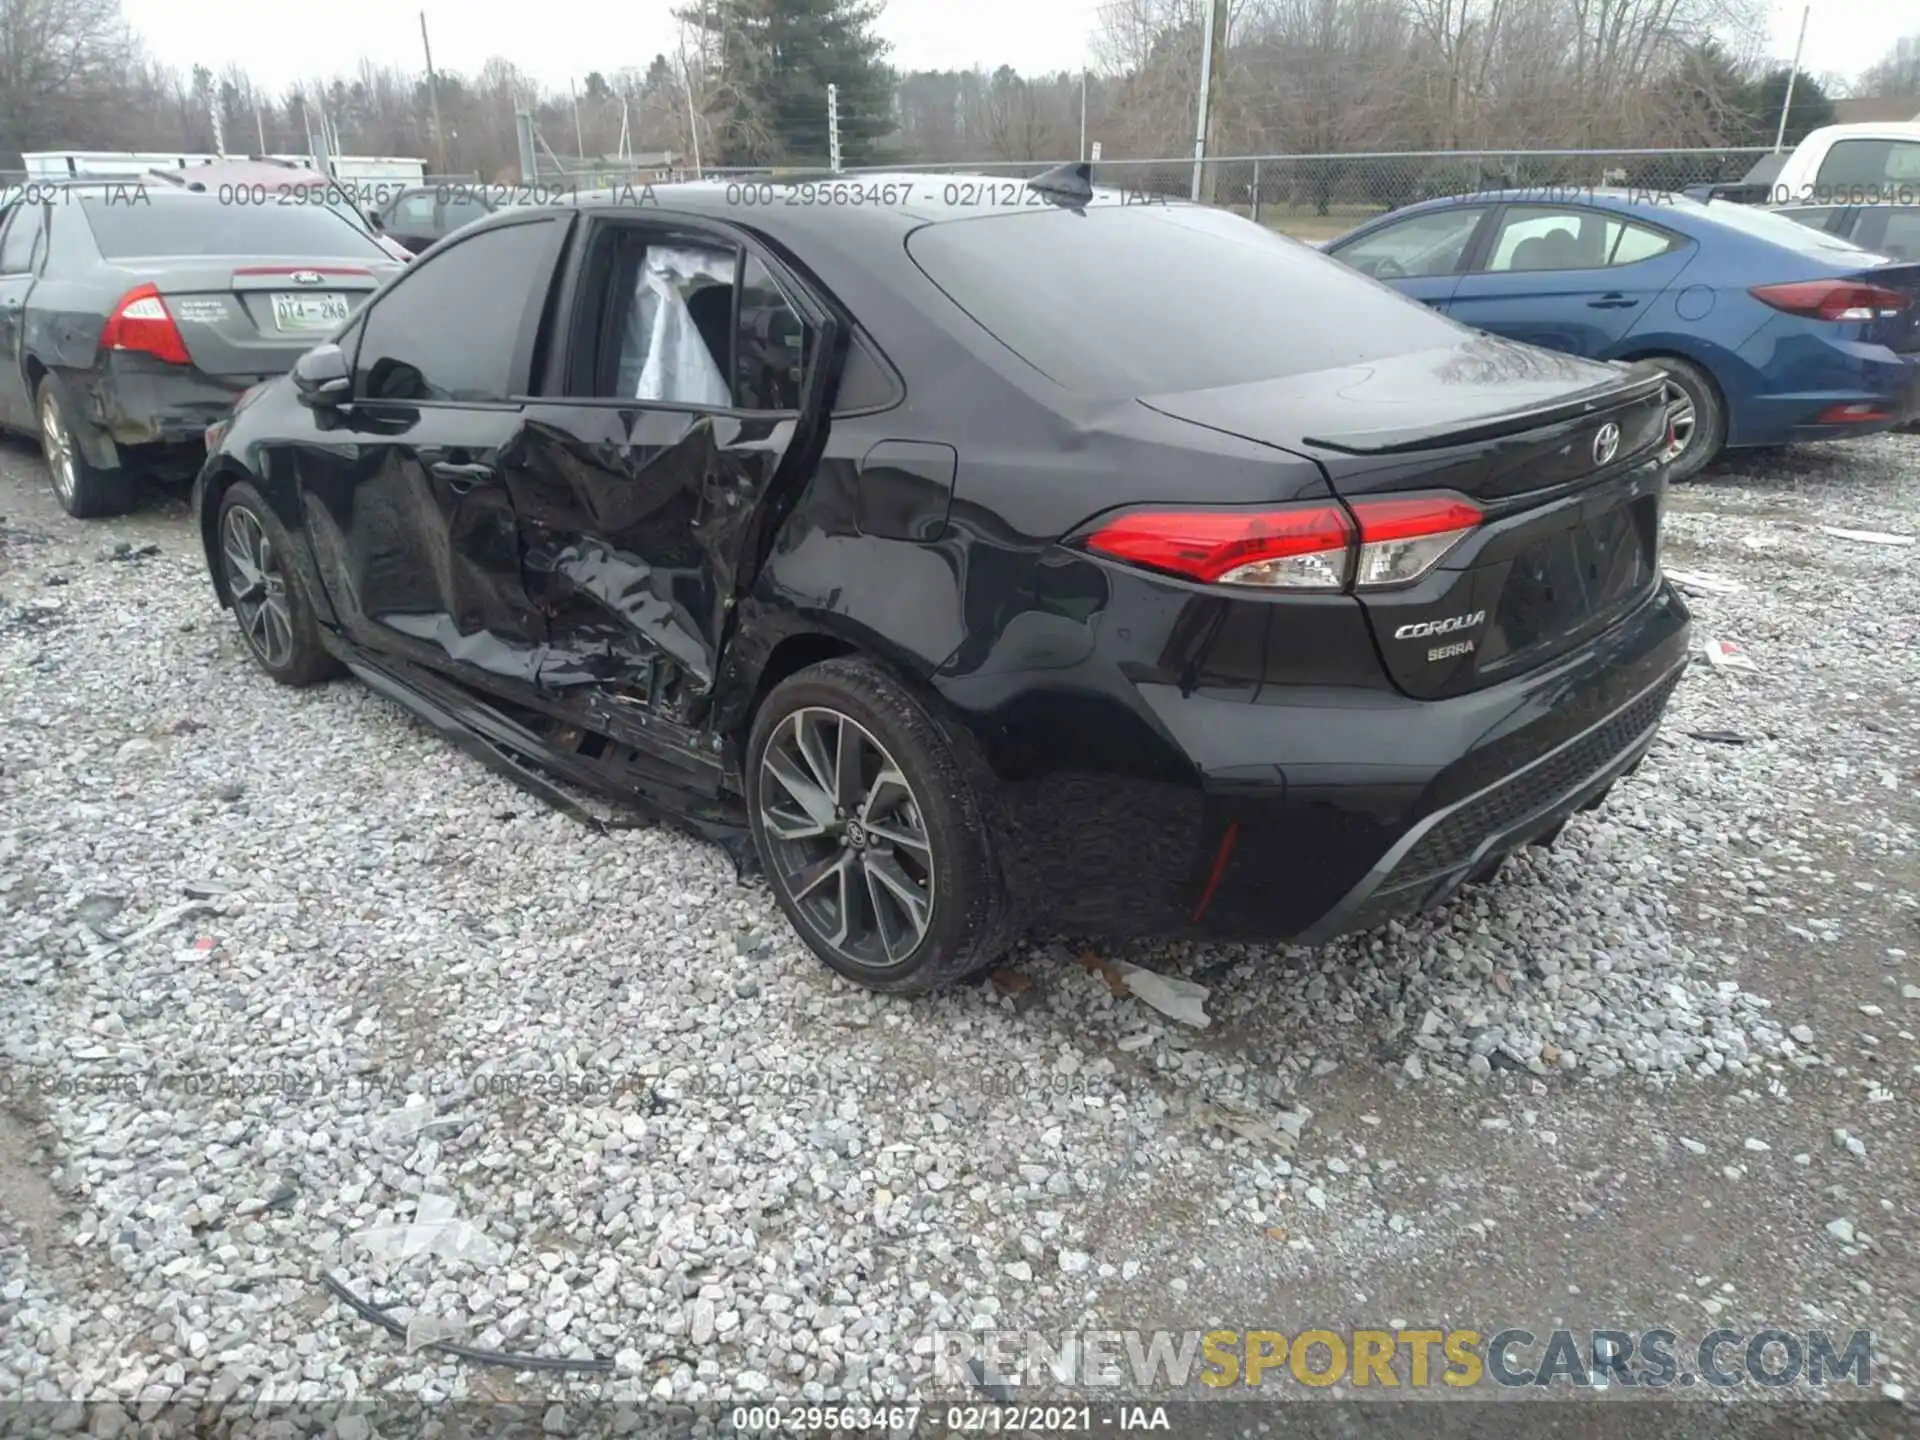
(280, 41)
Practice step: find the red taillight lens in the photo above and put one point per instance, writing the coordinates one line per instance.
(1315, 547)
(1295, 547)
(1838, 300)
(142, 322)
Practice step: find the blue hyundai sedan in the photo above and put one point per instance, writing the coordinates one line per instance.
(1771, 332)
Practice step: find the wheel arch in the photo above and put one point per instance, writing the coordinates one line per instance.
(34, 369)
(220, 476)
(1657, 350)
(789, 655)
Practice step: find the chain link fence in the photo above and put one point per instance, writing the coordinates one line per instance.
(1316, 197)
(1313, 197)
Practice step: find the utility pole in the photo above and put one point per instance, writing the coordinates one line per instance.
(693, 123)
(1083, 112)
(579, 140)
(260, 124)
(1212, 45)
(529, 153)
(433, 91)
(1780, 135)
(219, 129)
(833, 128)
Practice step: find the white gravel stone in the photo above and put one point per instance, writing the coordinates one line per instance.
(663, 1114)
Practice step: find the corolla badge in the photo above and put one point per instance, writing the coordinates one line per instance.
(1606, 443)
(1422, 629)
(307, 277)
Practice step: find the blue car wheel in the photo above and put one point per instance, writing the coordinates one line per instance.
(1699, 417)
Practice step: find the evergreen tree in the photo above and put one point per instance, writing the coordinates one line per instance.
(1765, 97)
(773, 60)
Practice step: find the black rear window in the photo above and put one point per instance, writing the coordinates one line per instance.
(140, 224)
(1149, 299)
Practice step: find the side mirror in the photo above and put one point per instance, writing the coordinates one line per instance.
(322, 377)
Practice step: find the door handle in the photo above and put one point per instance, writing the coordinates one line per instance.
(1612, 302)
(462, 477)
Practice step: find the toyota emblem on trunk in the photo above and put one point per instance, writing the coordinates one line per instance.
(1606, 443)
(314, 277)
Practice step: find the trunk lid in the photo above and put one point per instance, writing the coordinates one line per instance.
(1900, 331)
(247, 317)
(1564, 457)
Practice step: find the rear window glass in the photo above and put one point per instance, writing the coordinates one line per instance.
(124, 225)
(1151, 299)
(1870, 165)
(1765, 225)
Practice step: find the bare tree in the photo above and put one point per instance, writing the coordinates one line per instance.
(59, 59)
(1894, 76)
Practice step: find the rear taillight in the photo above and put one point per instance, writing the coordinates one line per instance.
(1401, 538)
(142, 322)
(1836, 300)
(1320, 546)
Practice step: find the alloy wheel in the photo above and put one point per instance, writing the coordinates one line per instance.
(57, 446)
(259, 589)
(846, 837)
(1680, 415)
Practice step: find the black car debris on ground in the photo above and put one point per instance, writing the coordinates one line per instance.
(997, 557)
(132, 315)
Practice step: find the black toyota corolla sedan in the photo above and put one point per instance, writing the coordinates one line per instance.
(994, 555)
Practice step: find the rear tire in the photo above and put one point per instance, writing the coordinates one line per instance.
(872, 820)
(1706, 413)
(276, 622)
(84, 491)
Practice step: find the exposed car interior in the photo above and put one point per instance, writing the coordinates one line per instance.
(1558, 249)
(677, 327)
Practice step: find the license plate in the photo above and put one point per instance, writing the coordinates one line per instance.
(308, 312)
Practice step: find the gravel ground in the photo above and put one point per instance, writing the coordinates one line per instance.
(1660, 1075)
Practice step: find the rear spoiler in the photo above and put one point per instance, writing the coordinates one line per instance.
(1644, 379)
(1737, 192)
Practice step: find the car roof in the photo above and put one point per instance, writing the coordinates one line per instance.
(891, 201)
(1868, 130)
(1603, 196)
(237, 172)
(1662, 207)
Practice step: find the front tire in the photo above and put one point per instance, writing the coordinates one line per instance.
(872, 820)
(1700, 417)
(84, 490)
(276, 622)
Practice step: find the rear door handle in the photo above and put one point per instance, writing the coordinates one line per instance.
(462, 477)
(1612, 302)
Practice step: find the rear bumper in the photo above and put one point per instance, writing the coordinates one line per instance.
(1453, 844)
(1804, 376)
(1320, 812)
(139, 401)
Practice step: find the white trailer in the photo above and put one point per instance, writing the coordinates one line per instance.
(60, 164)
